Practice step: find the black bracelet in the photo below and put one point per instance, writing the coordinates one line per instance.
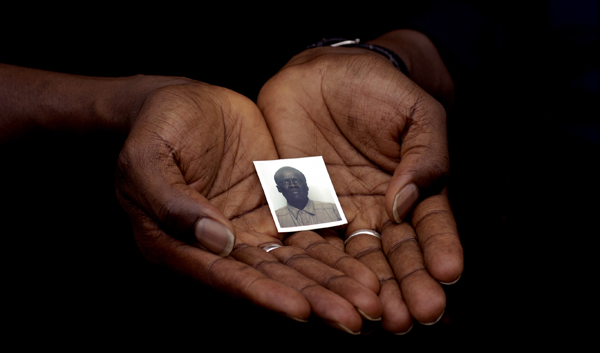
(343, 42)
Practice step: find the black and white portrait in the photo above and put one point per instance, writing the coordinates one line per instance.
(300, 193)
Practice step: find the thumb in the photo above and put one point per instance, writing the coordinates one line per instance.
(423, 167)
(190, 214)
(177, 209)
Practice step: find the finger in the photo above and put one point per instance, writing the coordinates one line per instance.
(438, 236)
(338, 243)
(423, 166)
(334, 239)
(423, 295)
(396, 316)
(224, 274)
(329, 306)
(331, 255)
(367, 249)
(147, 181)
(364, 300)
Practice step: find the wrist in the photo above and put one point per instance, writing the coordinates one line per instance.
(43, 100)
(123, 98)
(423, 61)
(35, 99)
(390, 55)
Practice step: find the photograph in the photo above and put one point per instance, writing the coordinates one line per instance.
(153, 190)
(300, 194)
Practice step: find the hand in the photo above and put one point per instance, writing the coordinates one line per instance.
(186, 178)
(353, 107)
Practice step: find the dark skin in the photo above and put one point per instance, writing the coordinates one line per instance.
(180, 182)
(171, 181)
(291, 183)
(353, 107)
(174, 172)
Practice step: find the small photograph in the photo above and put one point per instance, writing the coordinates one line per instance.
(300, 194)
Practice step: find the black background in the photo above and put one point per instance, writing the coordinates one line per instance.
(523, 188)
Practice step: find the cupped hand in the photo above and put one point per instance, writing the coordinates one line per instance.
(185, 176)
(383, 140)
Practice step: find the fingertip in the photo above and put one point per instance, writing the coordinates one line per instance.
(425, 298)
(451, 282)
(397, 322)
(429, 323)
(333, 310)
(431, 313)
(297, 319)
(365, 301)
(298, 309)
(396, 318)
(370, 308)
(214, 236)
(368, 317)
(342, 327)
(404, 201)
(284, 300)
(448, 273)
(445, 265)
(403, 332)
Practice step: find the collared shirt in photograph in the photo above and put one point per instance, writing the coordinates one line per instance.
(315, 212)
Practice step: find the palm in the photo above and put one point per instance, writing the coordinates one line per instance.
(190, 152)
(353, 109)
(225, 175)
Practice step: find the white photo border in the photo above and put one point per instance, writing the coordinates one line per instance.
(318, 181)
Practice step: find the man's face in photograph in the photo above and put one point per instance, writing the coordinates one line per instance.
(292, 184)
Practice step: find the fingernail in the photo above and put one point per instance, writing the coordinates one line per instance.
(434, 322)
(296, 318)
(367, 316)
(345, 329)
(405, 332)
(339, 326)
(214, 236)
(449, 283)
(404, 201)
